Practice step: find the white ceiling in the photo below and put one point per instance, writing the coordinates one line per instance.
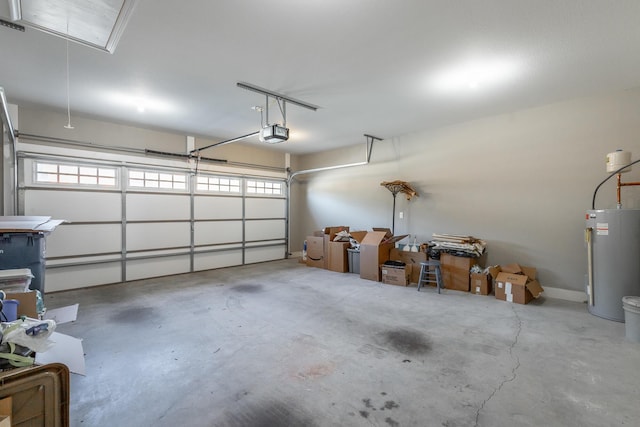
(370, 65)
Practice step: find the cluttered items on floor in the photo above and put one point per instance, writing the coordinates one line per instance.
(381, 256)
(28, 330)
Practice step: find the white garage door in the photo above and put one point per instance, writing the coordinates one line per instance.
(128, 220)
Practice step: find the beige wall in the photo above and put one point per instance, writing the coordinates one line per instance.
(521, 181)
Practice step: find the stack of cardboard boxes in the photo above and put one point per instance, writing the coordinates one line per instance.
(513, 283)
(375, 248)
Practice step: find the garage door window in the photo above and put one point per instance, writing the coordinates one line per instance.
(264, 187)
(157, 180)
(75, 175)
(218, 184)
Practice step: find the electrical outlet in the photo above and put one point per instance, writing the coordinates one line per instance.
(400, 215)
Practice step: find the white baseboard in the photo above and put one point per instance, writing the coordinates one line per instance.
(565, 294)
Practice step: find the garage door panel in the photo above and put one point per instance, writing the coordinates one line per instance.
(74, 205)
(265, 208)
(271, 253)
(217, 207)
(144, 236)
(153, 207)
(81, 276)
(265, 230)
(217, 232)
(211, 260)
(83, 239)
(156, 267)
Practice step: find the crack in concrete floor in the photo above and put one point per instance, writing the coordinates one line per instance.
(513, 370)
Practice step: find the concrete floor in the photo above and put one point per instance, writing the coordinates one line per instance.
(281, 344)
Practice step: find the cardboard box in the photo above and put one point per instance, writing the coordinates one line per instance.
(6, 410)
(358, 235)
(455, 271)
(530, 272)
(392, 275)
(375, 249)
(511, 268)
(410, 258)
(315, 251)
(329, 235)
(481, 284)
(338, 259)
(516, 288)
(27, 306)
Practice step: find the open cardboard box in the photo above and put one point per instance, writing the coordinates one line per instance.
(336, 252)
(520, 287)
(481, 283)
(338, 260)
(375, 249)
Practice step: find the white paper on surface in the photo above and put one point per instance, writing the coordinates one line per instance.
(67, 350)
(63, 314)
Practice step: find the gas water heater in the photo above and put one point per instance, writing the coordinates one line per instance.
(613, 249)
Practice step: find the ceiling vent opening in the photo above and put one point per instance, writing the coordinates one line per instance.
(94, 23)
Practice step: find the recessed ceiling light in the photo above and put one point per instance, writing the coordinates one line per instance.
(139, 103)
(475, 75)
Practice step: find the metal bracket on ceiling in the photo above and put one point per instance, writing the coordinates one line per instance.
(277, 96)
(370, 139)
(280, 99)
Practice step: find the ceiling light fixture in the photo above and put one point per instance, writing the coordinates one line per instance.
(475, 75)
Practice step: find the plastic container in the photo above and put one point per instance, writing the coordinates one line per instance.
(631, 306)
(15, 280)
(40, 395)
(9, 310)
(354, 260)
(24, 250)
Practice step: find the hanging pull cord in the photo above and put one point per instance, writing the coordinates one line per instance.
(68, 126)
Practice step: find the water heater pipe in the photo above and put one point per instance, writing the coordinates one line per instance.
(617, 171)
(623, 184)
(587, 237)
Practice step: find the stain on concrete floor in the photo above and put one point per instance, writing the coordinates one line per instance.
(248, 288)
(406, 341)
(267, 414)
(133, 315)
